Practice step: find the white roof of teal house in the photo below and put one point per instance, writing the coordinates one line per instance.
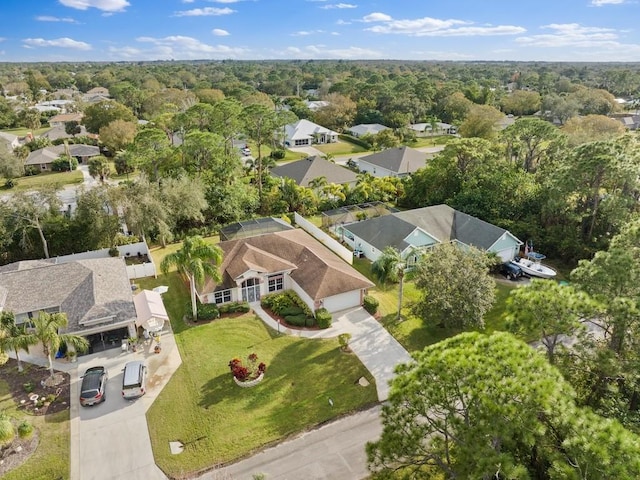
(306, 129)
(367, 128)
(440, 222)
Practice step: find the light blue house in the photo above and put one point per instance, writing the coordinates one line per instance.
(413, 231)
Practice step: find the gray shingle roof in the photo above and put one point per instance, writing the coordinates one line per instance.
(85, 290)
(440, 221)
(305, 170)
(398, 159)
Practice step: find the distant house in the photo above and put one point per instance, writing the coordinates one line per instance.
(60, 120)
(286, 260)
(412, 231)
(304, 133)
(59, 131)
(305, 170)
(629, 121)
(314, 105)
(393, 162)
(367, 128)
(59, 105)
(98, 91)
(45, 156)
(428, 128)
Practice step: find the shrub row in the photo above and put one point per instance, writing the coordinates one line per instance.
(234, 307)
(357, 141)
(280, 301)
(370, 304)
(211, 311)
(323, 318)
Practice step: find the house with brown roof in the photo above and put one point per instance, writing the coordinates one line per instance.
(285, 260)
(61, 119)
(305, 170)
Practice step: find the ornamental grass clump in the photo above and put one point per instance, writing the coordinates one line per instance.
(247, 371)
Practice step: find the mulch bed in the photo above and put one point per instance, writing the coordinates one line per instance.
(41, 385)
(37, 377)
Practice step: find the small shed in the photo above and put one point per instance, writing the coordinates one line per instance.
(150, 311)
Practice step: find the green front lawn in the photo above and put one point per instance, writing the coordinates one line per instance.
(22, 131)
(340, 147)
(43, 179)
(432, 141)
(218, 421)
(51, 458)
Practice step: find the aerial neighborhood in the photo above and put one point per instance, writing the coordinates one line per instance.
(201, 260)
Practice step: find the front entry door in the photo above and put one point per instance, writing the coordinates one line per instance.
(251, 290)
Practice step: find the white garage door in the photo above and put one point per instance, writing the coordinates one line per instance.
(342, 301)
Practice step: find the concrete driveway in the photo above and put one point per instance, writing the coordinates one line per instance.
(110, 440)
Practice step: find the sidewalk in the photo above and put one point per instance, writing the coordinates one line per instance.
(371, 342)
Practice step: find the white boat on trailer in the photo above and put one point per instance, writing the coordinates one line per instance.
(532, 265)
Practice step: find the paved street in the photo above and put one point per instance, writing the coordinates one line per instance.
(333, 451)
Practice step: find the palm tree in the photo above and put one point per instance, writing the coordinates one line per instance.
(390, 266)
(14, 337)
(47, 330)
(197, 260)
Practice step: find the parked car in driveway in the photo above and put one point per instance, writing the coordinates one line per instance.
(94, 382)
(511, 271)
(134, 380)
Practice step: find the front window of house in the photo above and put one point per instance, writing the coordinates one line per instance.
(276, 283)
(223, 296)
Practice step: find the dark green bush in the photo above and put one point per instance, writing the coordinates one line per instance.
(293, 310)
(208, 311)
(278, 154)
(296, 300)
(64, 164)
(30, 170)
(323, 318)
(370, 304)
(357, 141)
(299, 320)
(234, 307)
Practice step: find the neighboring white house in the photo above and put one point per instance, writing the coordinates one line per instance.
(285, 260)
(367, 128)
(393, 162)
(314, 105)
(414, 230)
(304, 133)
(428, 128)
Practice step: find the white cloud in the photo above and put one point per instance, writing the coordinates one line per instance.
(435, 27)
(338, 5)
(343, 22)
(599, 3)
(218, 32)
(47, 18)
(187, 48)
(57, 42)
(571, 35)
(322, 52)
(204, 12)
(304, 33)
(377, 17)
(104, 5)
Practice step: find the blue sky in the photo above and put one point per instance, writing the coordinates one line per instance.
(110, 30)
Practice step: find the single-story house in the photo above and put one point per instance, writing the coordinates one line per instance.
(58, 132)
(45, 156)
(314, 105)
(367, 129)
(393, 162)
(428, 128)
(304, 133)
(286, 260)
(60, 120)
(422, 228)
(305, 170)
(95, 294)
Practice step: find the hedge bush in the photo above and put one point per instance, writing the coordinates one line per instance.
(323, 318)
(64, 164)
(293, 310)
(298, 320)
(234, 307)
(370, 304)
(208, 311)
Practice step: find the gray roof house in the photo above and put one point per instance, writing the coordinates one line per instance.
(414, 230)
(367, 128)
(44, 156)
(305, 170)
(393, 162)
(95, 294)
